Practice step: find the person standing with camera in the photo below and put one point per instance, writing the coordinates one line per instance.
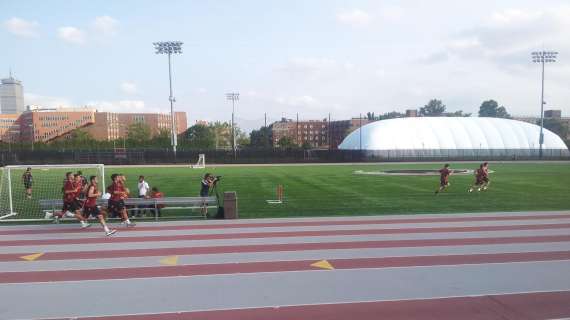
(205, 186)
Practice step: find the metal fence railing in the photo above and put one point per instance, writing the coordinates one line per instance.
(165, 156)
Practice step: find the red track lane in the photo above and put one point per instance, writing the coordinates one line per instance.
(274, 266)
(282, 234)
(294, 224)
(528, 306)
(70, 255)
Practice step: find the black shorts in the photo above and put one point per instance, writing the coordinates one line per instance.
(443, 182)
(71, 206)
(486, 179)
(116, 206)
(91, 211)
(28, 185)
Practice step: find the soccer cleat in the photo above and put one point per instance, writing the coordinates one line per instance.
(86, 225)
(110, 232)
(131, 224)
(470, 190)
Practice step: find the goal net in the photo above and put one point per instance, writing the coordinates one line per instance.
(201, 164)
(21, 194)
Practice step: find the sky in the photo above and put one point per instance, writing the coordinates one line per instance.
(287, 57)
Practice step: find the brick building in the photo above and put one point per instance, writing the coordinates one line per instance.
(315, 132)
(47, 125)
(548, 114)
(342, 128)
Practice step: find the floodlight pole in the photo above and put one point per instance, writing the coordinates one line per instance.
(542, 57)
(173, 137)
(233, 96)
(541, 138)
(169, 48)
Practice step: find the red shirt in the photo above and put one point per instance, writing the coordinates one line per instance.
(91, 201)
(444, 173)
(156, 195)
(69, 186)
(118, 192)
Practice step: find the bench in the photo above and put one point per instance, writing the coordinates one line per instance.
(153, 204)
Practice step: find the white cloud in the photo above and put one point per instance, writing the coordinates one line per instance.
(47, 101)
(71, 35)
(21, 27)
(315, 68)
(511, 34)
(128, 87)
(354, 17)
(202, 90)
(105, 25)
(129, 106)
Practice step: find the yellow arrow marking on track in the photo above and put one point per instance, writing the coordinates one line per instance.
(323, 264)
(32, 257)
(170, 261)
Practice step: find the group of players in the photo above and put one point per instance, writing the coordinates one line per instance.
(481, 178)
(80, 198)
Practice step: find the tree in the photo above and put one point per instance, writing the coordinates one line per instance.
(490, 108)
(557, 126)
(139, 133)
(370, 116)
(201, 136)
(434, 108)
(391, 115)
(81, 137)
(286, 142)
(306, 145)
(242, 139)
(162, 138)
(262, 138)
(459, 113)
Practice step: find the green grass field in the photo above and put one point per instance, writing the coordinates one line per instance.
(335, 190)
(328, 190)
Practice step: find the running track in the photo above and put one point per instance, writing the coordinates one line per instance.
(465, 266)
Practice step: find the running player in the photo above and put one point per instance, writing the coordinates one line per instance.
(444, 178)
(91, 209)
(70, 202)
(485, 176)
(478, 179)
(117, 202)
(28, 181)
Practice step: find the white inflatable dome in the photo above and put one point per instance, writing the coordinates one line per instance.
(450, 133)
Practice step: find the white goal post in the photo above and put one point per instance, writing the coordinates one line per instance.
(201, 164)
(20, 196)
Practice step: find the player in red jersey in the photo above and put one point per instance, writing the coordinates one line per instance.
(478, 179)
(444, 172)
(70, 201)
(91, 209)
(117, 201)
(485, 176)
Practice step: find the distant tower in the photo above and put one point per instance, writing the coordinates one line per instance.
(11, 96)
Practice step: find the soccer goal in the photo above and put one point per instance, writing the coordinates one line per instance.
(201, 164)
(20, 194)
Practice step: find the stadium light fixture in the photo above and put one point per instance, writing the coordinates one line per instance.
(542, 57)
(169, 48)
(233, 97)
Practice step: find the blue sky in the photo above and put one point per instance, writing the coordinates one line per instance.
(286, 57)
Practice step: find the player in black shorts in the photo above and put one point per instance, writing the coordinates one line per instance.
(28, 181)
